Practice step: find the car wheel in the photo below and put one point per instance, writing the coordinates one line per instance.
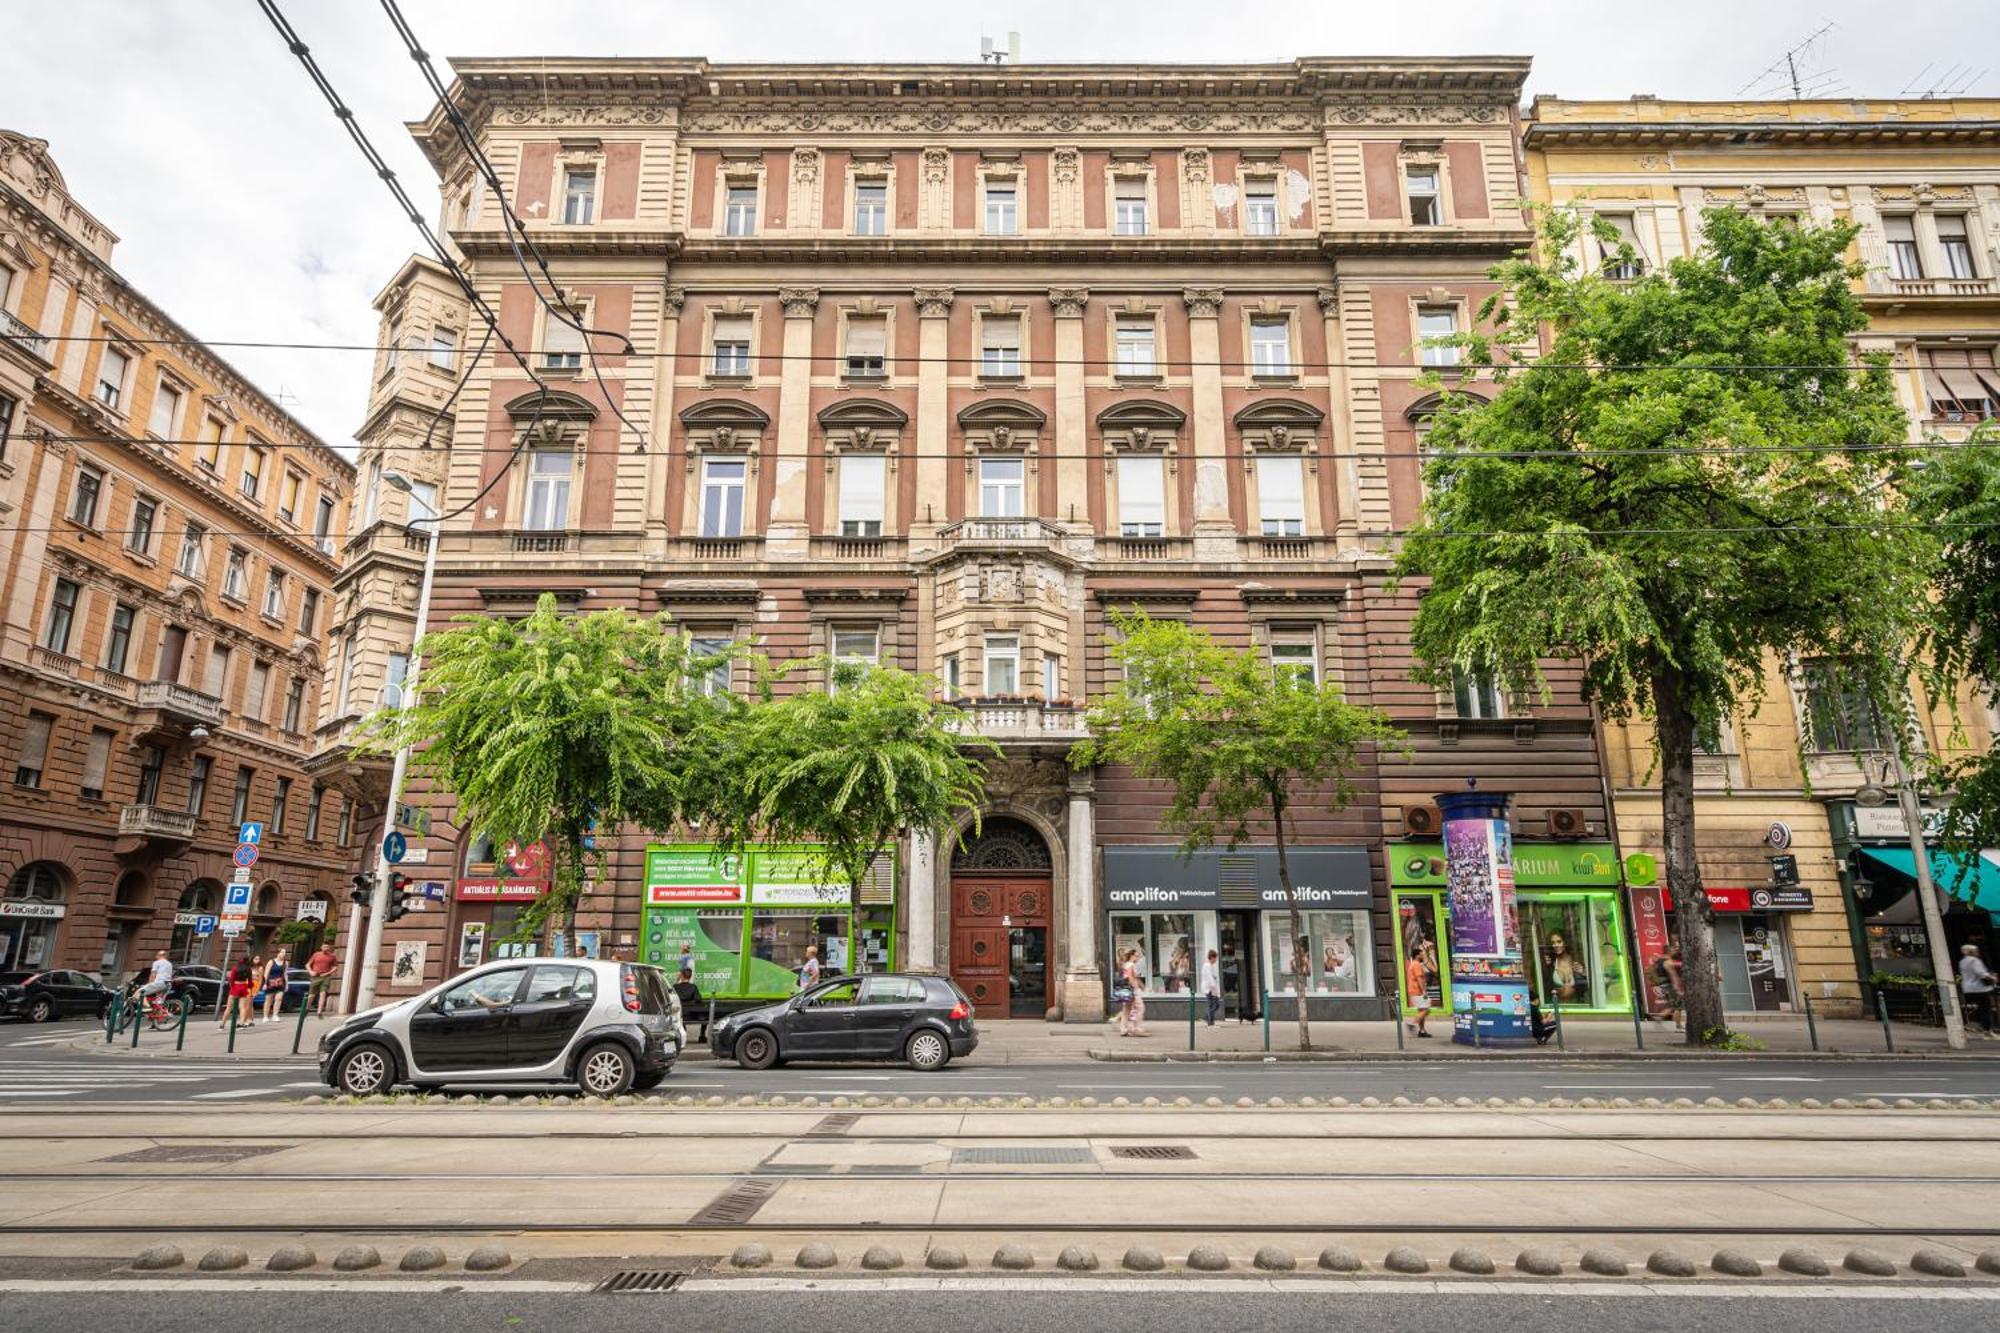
(648, 1081)
(927, 1051)
(365, 1069)
(42, 1010)
(605, 1071)
(757, 1049)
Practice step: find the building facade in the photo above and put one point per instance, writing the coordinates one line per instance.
(941, 366)
(167, 550)
(1921, 179)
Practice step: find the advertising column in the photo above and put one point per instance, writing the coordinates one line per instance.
(1488, 986)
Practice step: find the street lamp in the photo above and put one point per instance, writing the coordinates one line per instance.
(378, 902)
(1891, 778)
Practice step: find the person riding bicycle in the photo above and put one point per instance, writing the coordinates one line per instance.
(162, 979)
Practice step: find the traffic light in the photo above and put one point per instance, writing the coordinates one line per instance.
(364, 889)
(399, 896)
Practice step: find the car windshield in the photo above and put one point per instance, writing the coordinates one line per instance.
(838, 993)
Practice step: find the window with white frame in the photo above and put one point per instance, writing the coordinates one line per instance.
(423, 503)
(713, 648)
(1281, 495)
(1434, 322)
(1000, 346)
(549, 474)
(394, 677)
(236, 574)
(1900, 232)
(953, 679)
(1617, 266)
(166, 411)
(84, 496)
(1476, 695)
(1420, 182)
(562, 342)
(1135, 339)
(145, 517)
(1002, 669)
(1142, 496)
(855, 648)
(863, 494)
(252, 478)
(1295, 657)
(274, 595)
(867, 346)
(255, 692)
(579, 194)
(189, 562)
(731, 357)
(1260, 207)
(444, 348)
(1955, 244)
(1128, 206)
(113, 368)
(871, 208)
(1052, 687)
(1002, 487)
(739, 209)
(722, 485)
(371, 504)
(1003, 217)
(1271, 345)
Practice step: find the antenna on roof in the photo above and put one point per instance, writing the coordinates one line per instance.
(1799, 70)
(1951, 81)
(990, 55)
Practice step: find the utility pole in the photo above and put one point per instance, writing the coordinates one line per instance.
(1927, 900)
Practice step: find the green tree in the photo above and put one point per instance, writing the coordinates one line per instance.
(849, 769)
(1680, 476)
(1239, 742)
(553, 727)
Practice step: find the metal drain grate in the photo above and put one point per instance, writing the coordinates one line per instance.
(1019, 1156)
(737, 1204)
(1156, 1152)
(832, 1126)
(198, 1152)
(642, 1279)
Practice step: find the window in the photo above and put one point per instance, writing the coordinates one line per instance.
(313, 808)
(863, 488)
(112, 369)
(1051, 676)
(722, 482)
(1281, 495)
(1001, 483)
(84, 495)
(373, 492)
(208, 452)
(239, 804)
(295, 698)
(548, 490)
(145, 516)
(323, 522)
(867, 346)
(1335, 952)
(1476, 694)
(1616, 268)
(855, 650)
(1260, 207)
(1003, 664)
(149, 775)
(166, 411)
(561, 985)
(1128, 206)
(739, 211)
(732, 346)
(7, 407)
(579, 194)
(345, 677)
(1960, 383)
(189, 562)
(173, 648)
(871, 209)
(119, 647)
(288, 496)
(1900, 229)
(309, 611)
(1437, 321)
(397, 673)
(254, 694)
(346, 831)
(217, 679)
(274, 595)
(1000, 346)
(62, 616)
(444, 348)
(1839, 710)
(253, 472)
(281, 799)
(393, 353)
(1295, 657)
(1426, 205)
(1134, 338)
(198, 783)
(1002, 217)
(96, 762)
(34, 749)
(1142, 497)
(1956, 246)
(715, 680)
(952, 677)
(1270, 346)
(423, 503)
(1170, 945)
(562, 342)
(236, 575)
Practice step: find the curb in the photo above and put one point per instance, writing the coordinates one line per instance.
(1118, 1057)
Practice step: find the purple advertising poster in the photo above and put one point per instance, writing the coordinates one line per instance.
(1480, 874)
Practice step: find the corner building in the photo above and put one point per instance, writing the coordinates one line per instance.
(937, 366)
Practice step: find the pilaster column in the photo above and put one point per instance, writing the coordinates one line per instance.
(1340, 444)
(920, 907)
(1072, 475)
(1083, 985)
(785, 536)
(661, 428)
(933, 328)
(1214, 532)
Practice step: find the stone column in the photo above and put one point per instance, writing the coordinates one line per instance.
(1214, 532)
(785, 537)
(1072, 476)
(1339, 447)
(1082, 984)
(920, 906)
(933, 425)
(660, 434)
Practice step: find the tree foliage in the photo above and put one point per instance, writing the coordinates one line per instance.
(1679, 477)
(1238, 742)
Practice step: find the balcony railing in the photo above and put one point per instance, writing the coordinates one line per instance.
(60, 663)
(1150, 548)
(1005, 532)
(1943, 286)
(14, 331)
(1021, 720)
(180, 701)
(541, 543)
(150, 821)
(857, 548)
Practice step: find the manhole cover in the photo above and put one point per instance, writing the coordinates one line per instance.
(642, 1279)
(1156, 1152)
(737, 1204)
(1018, 1156)
(830, 1126)
(198, 1152)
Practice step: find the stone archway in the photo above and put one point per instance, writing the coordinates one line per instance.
(1003, 887)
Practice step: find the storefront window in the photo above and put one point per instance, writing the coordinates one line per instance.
(778, 944)
(1335, 948)
(506, 921)
(1170, 944)
(1574, 948)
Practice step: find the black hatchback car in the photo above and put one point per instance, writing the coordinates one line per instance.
(923, 1021)
(41, 996)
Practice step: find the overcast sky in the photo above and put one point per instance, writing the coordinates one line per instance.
(190, 131)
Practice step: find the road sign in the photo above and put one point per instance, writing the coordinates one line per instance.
(204, 925)
(312, 909)
(253, 833)
(233, 927)
(236, 896)
(246, 854)
(414, 818)
(394, 846)
(241, 875)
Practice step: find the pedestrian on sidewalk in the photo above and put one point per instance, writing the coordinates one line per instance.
(1975, 981)
(1416, 981)
(1132, 1022)
(1671, 967)
(320, 968)
(1211, 986)
(274, 987)
(693, 1007)
(809, 972)
(239, 991)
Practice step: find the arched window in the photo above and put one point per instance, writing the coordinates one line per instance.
(199, 899)
(34, 916)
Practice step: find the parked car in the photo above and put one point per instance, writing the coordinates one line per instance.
(201, 983)
(605, 1026)
(42, 996)
(923, 1021)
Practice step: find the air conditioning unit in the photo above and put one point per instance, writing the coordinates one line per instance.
(1566, 823)
(1420, 821)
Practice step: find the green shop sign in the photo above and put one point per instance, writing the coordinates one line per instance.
(1537, 865)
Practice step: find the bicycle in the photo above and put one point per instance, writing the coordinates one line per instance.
(162, 1011)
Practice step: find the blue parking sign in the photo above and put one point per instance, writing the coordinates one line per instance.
(204, 925)
(237, 895)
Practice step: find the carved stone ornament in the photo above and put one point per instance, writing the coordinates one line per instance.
(1753, 195)
(1067, 162)
(1068, 302)
(673, 299)
(805, 165)
(937, 165)
(1415, 113)
(1329, 300)
(588, 113)
(1003, 583)
(934, 302)
(799, 302)
(1203, 302)
(1161, 117)
(1195, 163)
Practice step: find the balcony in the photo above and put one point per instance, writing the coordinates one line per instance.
(169, 713)
(1001, 534)
(1942, 286)
(1151, 548)
(1022, 722)
(149, 831)
(538, 543)
(857, 548)
(60, 663)
(24, 336)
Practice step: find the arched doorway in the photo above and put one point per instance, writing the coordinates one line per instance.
(1002, 881)
(199, 899)
(31, 916)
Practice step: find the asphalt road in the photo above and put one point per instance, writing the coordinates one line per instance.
(39, 1065)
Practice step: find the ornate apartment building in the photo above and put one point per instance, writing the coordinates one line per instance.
(939, 366)
(167, 546)
(1921, 179)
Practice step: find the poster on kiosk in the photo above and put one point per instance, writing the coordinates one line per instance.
(1489, 988)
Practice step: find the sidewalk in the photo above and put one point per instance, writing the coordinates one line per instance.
(205, 1040)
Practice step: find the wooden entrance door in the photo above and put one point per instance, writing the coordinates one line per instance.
(985, 909)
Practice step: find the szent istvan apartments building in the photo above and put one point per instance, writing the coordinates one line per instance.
(938, 366)
(1922, 181)
(167, 538)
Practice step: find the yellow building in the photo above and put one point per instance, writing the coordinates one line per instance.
(1922, 180)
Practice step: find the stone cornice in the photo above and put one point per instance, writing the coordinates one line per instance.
(1756, 133)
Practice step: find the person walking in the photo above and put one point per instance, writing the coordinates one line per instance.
(1975, 982)
(320, 968)
(1671, 968)
(1417, 984)
(809, 970)
(693, 1007)
(238, 992)
(1211, 986)
(1132, 1023)
(274, 987)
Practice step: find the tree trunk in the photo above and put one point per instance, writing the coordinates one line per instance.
(1301, 962)
(1701, 981)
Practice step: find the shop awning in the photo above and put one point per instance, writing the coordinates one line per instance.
(1971, 879)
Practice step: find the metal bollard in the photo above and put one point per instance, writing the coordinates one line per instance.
(1555, 999)
(139, 1011)
(1267, 1019)
(1812, 1026)
(232, 1028)
(1638, 1021)
(299, 1032)
(1396, 1019)
(1191, 999)
(181, 1033)
(1475, 1020)
(111, 1016)
(1882, 1012)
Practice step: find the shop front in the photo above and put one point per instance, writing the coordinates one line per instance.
(1572, 924)
(1879, 876)
(744, 923)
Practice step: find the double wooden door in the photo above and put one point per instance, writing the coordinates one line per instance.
(999, 941)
